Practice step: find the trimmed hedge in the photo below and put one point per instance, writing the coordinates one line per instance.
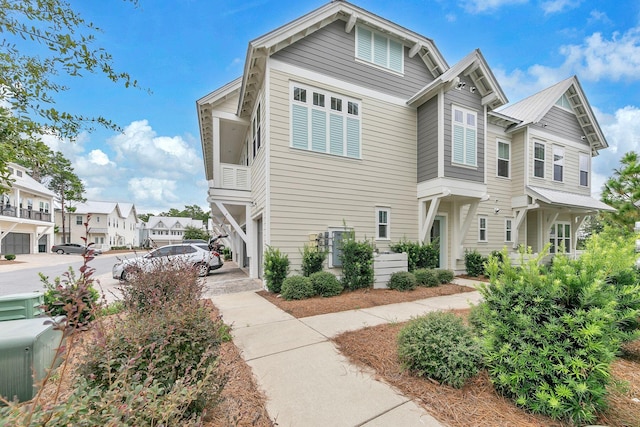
(297, 287)
(325, 284)
(402, 281)
(426, 277)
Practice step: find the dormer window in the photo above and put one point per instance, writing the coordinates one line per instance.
(379, 49)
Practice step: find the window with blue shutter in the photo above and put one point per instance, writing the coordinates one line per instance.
(379, 49)
(464, 137)
(325, 122)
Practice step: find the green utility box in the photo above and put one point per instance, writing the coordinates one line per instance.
(27, 349)
(21, 306)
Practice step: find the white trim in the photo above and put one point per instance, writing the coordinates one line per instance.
(544, 160)
(266, 216)
(466, 127)
(441, 133)
(486, 229)
(322, 82)
(450, 186)
(540, 133)
(378, 223)
(510, 230)
(588, 156)
(508, 143)
(561, 150)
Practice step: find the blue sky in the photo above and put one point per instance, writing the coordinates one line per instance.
(184, 49)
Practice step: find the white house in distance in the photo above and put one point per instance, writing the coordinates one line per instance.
(26, 220)
(164, 230)
(343, 117)
(111, 224)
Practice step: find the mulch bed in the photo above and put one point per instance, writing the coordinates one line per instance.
(476, 404)
(358, 299)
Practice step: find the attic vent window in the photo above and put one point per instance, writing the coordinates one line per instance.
(379, 49)
(564, 102)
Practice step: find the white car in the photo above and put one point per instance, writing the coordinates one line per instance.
(196, 253)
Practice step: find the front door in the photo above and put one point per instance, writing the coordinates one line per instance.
(438, 231)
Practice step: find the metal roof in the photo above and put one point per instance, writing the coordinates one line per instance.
(571, 200)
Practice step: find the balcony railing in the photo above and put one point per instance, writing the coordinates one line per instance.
(234, 177)
(25, 213)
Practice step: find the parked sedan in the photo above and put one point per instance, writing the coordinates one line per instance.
(197, 254)
(73, 248)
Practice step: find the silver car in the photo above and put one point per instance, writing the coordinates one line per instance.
(73, 248)
(197, 254)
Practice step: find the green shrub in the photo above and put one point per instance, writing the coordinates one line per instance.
(312, 260)
(439, 346)
(474, 263)
(402, 281)
(426, 277)
(70, 293)
(276, 268)
(9, 257)
(419, 255)
(444, 276)
(297, 287)
(550, 335)
(227, 255)
(357, 263)
(325, 284)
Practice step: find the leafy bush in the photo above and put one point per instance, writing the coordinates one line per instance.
(9, 257)
(419, 255)
(444, 276)
(312, 260)
(226, 253)
(550, 336)
(474, 263)
(164, 283)
(276, 268)
(297, 287)
(439, 346)
(426, 277)
(325, 284)
(357, 263)
(402, 281)
(68, 294)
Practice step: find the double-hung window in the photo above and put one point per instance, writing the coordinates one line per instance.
(504, 159)
(508, 230)
(379, 49)
(383, 223)
(464, 137)
(584, 160)
(256, 131)
(79, 219)
(560, 236)
(538, 159)
(558, 164)
(482, 228)
(325, 122)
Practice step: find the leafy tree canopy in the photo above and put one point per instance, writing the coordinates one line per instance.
(195, 233)
(622, 191)
(189, 211)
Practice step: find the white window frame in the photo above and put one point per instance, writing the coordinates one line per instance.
(587, 158)
(256, 126)
(498, 159)
(387, 224)
(335, 106)
(564, 103)
(508, 230)
(482, 218)
(543, 160)
(466, 129)
(556, 240)
(79, 217)
(371, 59)
(560, 153)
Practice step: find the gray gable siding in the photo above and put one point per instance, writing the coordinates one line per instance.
(331, 51)
(562, 123)
(471, 101)
(428, 140)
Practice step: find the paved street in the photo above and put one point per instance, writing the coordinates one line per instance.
(23, 276)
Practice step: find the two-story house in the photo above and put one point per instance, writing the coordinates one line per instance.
(26, 220)
(345, 119)
(111, 224)
(164, 230)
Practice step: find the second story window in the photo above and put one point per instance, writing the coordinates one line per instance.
(538, 160)
(325, 122)
(256, 131)
(379, 49)
(558, 164)
(584, 169)
(504, 156)
(464, 137)
(78, 219)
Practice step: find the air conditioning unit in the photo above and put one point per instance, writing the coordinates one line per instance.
(27, 349)
(21, 306)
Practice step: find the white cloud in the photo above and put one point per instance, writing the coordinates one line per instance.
(478, 6)
(598, 16)
(153, 189)
(555, 6)
(98, 157)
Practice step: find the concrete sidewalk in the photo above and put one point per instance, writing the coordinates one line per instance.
(306, 379)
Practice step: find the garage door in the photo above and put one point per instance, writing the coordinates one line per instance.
(16, 243)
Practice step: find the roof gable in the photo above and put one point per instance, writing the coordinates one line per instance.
(532, 110)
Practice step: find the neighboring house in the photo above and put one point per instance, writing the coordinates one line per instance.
(343, 118)
(111, 224)
(26, 220)
(164, 230)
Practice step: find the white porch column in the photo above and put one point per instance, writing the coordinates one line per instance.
(217, 173)
(16, 203)
(252, 244)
